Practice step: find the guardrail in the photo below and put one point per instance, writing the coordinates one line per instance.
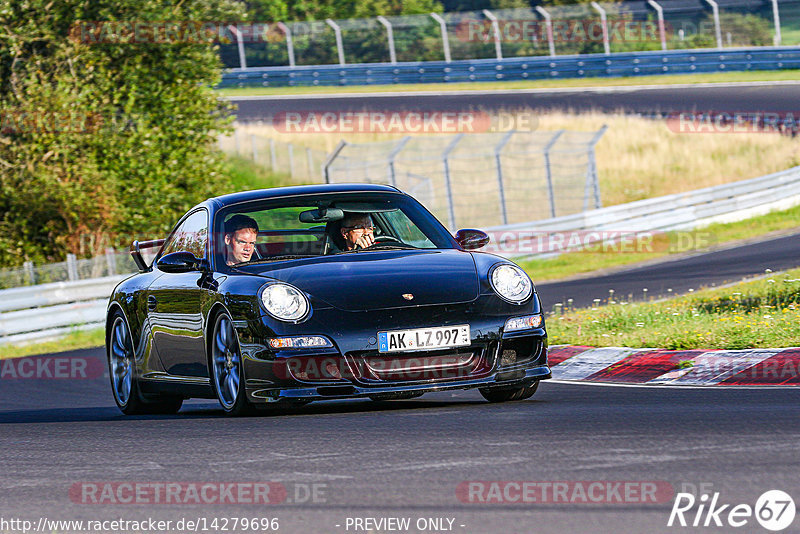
(680, 211)
(524, 68)
(47, 310)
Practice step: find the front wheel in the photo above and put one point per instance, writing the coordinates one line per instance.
(226, 368)
(122, 371)
(514, 394)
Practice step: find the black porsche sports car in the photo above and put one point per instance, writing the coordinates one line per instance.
(291, 295)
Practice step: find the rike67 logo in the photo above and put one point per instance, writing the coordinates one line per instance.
(774, 510)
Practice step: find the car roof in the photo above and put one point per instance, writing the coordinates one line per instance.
(275, 192)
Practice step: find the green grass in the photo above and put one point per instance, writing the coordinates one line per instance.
(757, 314)
(80, 339)
(721, 77)
(245, 175)
(671, 243)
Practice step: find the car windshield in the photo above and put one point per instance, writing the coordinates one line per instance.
(324, 225)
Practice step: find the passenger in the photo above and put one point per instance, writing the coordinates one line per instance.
(357, 231)
(241, 232)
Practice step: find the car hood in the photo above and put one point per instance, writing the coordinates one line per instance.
(365, 281)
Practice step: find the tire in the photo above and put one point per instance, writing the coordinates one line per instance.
(401, 395)
(122, 374)
(225, 363)
(505, 395)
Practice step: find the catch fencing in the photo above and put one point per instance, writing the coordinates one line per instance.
(586, 28)
(109, 264)
(481, 179)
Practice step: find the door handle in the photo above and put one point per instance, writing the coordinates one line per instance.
(151, 303)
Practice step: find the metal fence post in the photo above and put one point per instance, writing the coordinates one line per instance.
(392, 155)
(111, 261)
(289, 43)
(548, 172)
(290, 149)
(776, 16)
(30, 272)
(498, 50)
(661, 28)
(330, 159)
(501, 189)
(309, 164)
(604, 22)
(451, 210)
(548, 24)
(72, 267)
(390, 37)
(592, 180)
(445, 40)
(337, 31)
(240, 45)
(273, 157)
(717, 30)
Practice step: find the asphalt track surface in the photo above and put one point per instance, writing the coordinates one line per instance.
(404, 458)
(678, 276)
(730, 98)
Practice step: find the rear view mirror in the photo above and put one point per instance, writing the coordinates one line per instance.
(321, 215)
(471, 239)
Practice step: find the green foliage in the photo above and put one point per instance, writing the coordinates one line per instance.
(300, 10)
(102, 141)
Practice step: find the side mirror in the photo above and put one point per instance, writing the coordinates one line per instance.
(179, 262)
(471, 239)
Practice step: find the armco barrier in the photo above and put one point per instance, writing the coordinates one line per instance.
(36, 312)
(521, 68)
(680, 211)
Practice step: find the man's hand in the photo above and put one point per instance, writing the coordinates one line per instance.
(366, 240)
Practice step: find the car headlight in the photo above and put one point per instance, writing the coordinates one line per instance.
(285, 302)
(511, 283)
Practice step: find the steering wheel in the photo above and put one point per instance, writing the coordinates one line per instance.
(383, 239)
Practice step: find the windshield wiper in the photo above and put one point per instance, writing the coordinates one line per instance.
(387, 246)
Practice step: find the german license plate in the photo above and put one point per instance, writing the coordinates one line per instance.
(439, 337)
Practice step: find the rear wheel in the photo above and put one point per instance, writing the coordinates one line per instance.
(122, 372)
(505, 395)
(226, 368)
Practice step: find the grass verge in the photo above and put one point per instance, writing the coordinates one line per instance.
(666, 79)
(666, 244)
(758, 314)
(80, 339)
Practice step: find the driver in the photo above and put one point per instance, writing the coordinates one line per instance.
(357, 231)
(241, 232)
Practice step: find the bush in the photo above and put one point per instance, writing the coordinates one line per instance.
(102, 141)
